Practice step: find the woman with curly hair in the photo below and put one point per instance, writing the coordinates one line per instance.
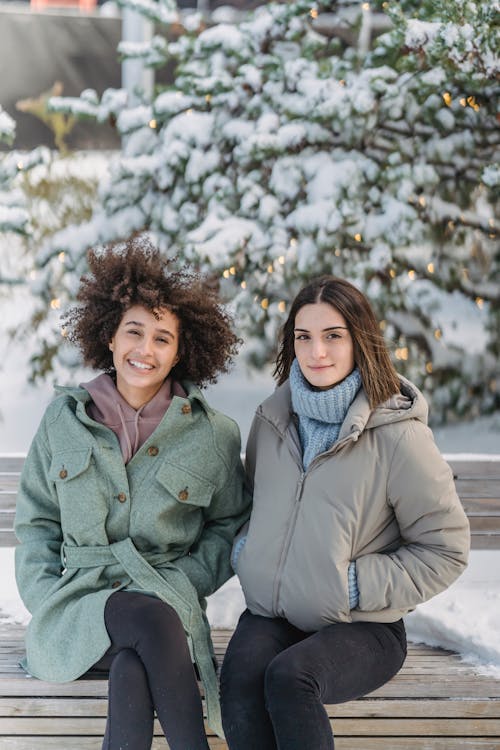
(129, 500)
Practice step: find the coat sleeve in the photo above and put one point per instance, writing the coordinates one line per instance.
(208, 564)
(434, 529)
(37, 527)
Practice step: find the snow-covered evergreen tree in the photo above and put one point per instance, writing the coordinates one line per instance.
(280, 153)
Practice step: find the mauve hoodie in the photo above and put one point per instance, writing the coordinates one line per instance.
(132, 426)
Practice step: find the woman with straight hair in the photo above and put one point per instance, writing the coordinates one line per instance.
(130, 498)
(355, 521)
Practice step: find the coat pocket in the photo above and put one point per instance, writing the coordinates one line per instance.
(187, 488)
(67, 465)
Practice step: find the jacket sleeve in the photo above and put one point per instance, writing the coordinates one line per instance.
(208, 564)
(434, 529)
(37, 527)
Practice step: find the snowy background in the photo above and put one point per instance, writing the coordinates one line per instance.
(466, 618)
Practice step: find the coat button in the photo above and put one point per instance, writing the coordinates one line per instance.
(186, 409)
(63, 474)
(152, 450)
(183, 494)
(116, 584)
(122, 497)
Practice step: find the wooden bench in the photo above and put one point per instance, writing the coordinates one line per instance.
(436, 702)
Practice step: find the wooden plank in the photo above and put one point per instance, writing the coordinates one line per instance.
(472, 468)
(341, 743)
(413, 727)
(477, 487)
(485, 524)
(362, 708)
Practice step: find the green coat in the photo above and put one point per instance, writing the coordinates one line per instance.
(88, 526)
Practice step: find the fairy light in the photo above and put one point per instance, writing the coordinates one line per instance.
(282, 306)
(382, 325)
(430, 267)
(189, 112)
(366, 6)
(64, 332)
(270, 268)
(225, 273)
(313, 12)
(281, 260)
(342, 82)
(243, 284)
(55, 304)
(428, 367)
(479, 302)
(152, 124)
(357, 237)
(62, 256)
(412, 274)
(232, 270)
(264, 303)
(208, 98)
(402, 353)
(293, 242)
(438, 334)
(422, 201)
(20, 165)
(392, 273)
(463, 101)
(447, 98)
(338, 252)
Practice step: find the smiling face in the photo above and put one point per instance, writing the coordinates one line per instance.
(145, 349)
(323, 345)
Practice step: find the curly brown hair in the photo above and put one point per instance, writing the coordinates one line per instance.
(134, 272)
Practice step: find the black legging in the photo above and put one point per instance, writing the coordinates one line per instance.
(275, 678)
(151, 669)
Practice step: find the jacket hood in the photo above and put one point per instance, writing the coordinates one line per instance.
(409, 403)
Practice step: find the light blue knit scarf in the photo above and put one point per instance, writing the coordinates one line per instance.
(320, 413)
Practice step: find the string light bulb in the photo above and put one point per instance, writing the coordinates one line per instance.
(243, 284)
(55, 303)
(412, 274)
(447, 98)
(282, 306)
(479, 302)
(438, 334)
(225, 273)
(152, 124)
(430, 267)
(428, 367)
(61, 256)
(264, 303)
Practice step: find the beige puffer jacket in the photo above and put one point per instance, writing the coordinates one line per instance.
(382, 496)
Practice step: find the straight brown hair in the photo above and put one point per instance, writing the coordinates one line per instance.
(379, 377)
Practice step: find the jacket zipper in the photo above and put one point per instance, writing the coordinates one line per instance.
(293, 518)
(286, 545)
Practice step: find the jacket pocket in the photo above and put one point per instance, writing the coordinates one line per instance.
(67, 465)
(187, 488)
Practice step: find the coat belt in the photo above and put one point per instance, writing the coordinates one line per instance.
(179, 594)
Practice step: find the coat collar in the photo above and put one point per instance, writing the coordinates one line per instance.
(81, 395)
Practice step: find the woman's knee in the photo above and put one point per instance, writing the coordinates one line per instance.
(128, 669)
(287, 678)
